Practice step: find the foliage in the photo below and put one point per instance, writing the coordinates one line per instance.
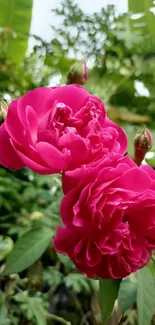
(116, 55)
(30, 204)
(110, 286)
(145, 296)
(15, 19)
(144, 22)
(119, 60)
(27, 250)
(127, 294)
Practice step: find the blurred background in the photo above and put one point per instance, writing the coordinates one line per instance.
(39, 41)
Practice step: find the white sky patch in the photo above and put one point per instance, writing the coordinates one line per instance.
(137, 16)
(141, 90)
(150, 155)
(43, 17)
(55, 80)
(152, 9)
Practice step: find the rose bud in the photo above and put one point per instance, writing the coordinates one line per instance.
(78, 73)
(142, 144)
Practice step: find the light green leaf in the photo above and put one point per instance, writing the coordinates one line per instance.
(32, 306)
(52, 276)
(15, 18)
(27, 250)
(4, 319)
(145, 296)
(146, 21)
(35, 306)
(127, 294)
(77, 282)
(108, 294)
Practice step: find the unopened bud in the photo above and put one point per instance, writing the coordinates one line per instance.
(78, 73)
(3, 111)
(142, 144)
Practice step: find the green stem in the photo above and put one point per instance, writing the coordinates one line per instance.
(57, 318)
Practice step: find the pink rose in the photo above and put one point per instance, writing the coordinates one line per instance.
(109, 217)
(54, 129)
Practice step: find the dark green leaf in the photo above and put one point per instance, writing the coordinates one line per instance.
(27, 250)
(108, 293)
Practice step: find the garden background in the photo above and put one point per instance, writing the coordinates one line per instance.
(120, 52)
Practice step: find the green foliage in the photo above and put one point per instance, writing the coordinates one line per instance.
(145, 22)
(15, 19)
(3, 311)
(108, 294)
(32, 306)
(145, 296)
(118, 56)
(52, 276)
(27, 250)
(77, 282)
(127, 294)
(28, 202)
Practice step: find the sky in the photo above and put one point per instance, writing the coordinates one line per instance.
(42, 16)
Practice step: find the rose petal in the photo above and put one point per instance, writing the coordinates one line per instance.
(14, 126)
(32, 123)
(52, 156)
(28, 162)
(71, 95)
(135, 179)
(8, 156)
(122, 138)
(37, 99)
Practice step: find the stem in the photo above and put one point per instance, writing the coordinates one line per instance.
(57, 318)
(116, 315)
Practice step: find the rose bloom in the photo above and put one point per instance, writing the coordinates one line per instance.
(108, 214)
(54, 129)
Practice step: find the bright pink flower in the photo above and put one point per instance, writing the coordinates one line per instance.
(54, 129)
(109, 217)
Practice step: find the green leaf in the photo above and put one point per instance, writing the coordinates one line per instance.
(32, 306)
(127, 294)
(3, 311)
(145, 296)
(52, 276)
(146, 21)
(151, 266)
(107, 295)
(15, 18)
(35, 305)
(77, 282)
(27, 250)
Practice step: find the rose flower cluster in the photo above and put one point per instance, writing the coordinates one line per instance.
(108, 209)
